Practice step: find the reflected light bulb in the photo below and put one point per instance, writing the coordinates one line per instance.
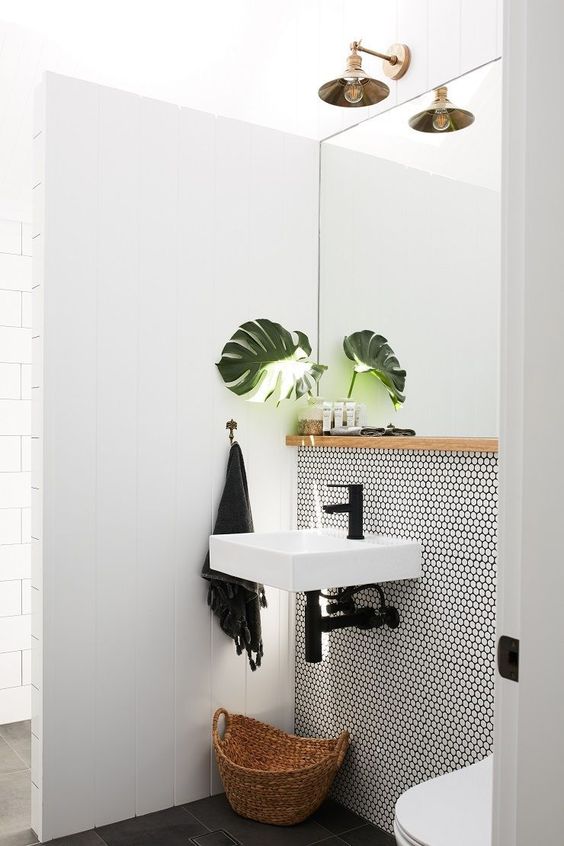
(441, 121)
(353, 91)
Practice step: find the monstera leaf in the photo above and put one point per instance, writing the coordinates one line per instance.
(263, 359)
(371, 353)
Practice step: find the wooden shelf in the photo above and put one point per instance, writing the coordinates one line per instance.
(357, 442)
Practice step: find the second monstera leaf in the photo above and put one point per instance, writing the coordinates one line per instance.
(371, 353)
(262, 360)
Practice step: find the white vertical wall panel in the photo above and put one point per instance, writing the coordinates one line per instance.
(195, 381)
(413, 30)
(283, 187)
(500, 25)
(478, 32)
(236, 292)
(116, 480)
(271, 253)
(444, 41)
(156, 468)
(70, 418)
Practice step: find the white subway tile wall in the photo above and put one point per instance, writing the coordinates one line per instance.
(15, 484)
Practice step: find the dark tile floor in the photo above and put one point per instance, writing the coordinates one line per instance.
(15, 785)
(208, 822)
(211, 822)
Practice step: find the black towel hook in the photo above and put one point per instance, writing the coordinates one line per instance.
(231, 425)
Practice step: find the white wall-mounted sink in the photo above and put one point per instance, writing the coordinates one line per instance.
(313, 559)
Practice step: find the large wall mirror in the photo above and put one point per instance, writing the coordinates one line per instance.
(410, 248)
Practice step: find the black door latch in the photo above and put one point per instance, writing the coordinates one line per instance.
(508, 658)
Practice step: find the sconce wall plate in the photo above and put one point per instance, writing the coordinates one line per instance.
(400, 68)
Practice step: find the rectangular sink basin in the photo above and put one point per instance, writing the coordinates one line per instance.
(313, 559)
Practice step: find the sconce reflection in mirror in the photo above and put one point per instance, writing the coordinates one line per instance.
(441, 116)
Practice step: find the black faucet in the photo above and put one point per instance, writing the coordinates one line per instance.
(353, 508)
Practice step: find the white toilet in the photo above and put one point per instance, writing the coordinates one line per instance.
(455, 808)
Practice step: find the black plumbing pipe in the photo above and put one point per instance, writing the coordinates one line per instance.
(313, 627)
(364, 618)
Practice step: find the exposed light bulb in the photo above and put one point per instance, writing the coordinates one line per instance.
(441, 121)
(353, 91)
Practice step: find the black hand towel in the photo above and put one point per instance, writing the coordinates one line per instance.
(236, 602)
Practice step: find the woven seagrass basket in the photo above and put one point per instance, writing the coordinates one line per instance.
(270, 776)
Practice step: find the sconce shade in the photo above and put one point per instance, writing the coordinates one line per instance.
(373, 91)
(441, 116)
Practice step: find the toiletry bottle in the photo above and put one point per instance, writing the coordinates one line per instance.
(339, 413)
(350, 408)
(327, 417)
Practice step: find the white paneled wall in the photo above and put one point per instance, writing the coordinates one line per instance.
(159, 231)
(15, 422)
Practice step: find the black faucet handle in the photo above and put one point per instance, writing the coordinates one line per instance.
(353, 507)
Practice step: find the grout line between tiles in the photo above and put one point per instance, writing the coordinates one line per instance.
(5, 739)
(6, 776)
(326, 839)
(8, 773)
(355, 828)
(192, 814)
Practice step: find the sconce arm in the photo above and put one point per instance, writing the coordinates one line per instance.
(356, 45)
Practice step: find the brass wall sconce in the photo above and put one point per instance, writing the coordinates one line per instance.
(355, 88)
(441, 116)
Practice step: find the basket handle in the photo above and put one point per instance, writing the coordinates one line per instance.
(341, 747)
(216, 736)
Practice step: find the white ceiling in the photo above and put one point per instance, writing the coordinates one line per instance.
(260, 61)
(256, 60)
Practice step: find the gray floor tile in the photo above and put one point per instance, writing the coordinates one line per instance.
(337, 818)
(15, 803)
(215, 812)
(16, 730)
(163, 828)
(84, 838)
(368, 835)
(10, 761)
(18, 736)
(20, 838)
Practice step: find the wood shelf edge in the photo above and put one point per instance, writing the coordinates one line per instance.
(421, 443)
